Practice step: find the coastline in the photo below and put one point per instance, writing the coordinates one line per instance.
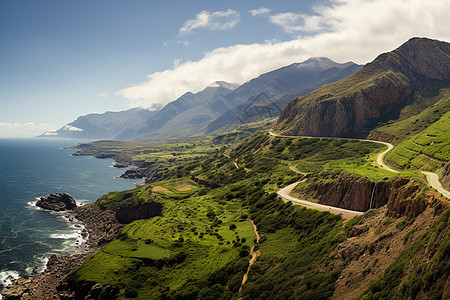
(101, 226)
(135, 169)
(50, 281)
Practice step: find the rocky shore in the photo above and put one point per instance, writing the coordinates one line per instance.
(151, 171)
(101, 226)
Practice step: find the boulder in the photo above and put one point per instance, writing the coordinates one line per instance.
(57, 202)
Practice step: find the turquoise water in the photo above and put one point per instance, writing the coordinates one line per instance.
(30, 168)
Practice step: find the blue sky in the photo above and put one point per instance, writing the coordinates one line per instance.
(62, 59)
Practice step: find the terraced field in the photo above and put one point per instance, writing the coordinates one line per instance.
(429, 150)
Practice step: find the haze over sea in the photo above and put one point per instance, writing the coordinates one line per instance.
(30, 168)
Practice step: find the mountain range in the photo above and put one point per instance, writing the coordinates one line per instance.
(395, 86)
(219, 107)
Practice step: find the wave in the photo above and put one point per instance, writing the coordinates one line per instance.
(39, 267)
(65, 236)
(32, 204)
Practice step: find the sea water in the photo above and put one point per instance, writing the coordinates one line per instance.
(30, 168)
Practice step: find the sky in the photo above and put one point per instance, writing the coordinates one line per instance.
(60, 59)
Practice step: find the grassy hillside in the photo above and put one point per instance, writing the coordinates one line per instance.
(200, 246)
(194, 238)
(416, 117)
(428, 150)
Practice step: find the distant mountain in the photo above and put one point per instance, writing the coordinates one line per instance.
(185, 114)
(219, 107)
(259, 98)
(273, 90)
(395, 86)
(109, 125)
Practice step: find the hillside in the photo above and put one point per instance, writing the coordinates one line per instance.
(191, 250)
(428, 150)
(187, 112)
(214, 111)
(108, 125)
(410, 75)
(299, 80)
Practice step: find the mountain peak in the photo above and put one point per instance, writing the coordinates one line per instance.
(379, 92)
(321, 63)
(223, 84)
(422, 55)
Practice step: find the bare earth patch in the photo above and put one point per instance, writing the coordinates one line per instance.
(185, 188)
(160, 189)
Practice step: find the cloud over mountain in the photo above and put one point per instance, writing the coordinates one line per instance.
(343, 30)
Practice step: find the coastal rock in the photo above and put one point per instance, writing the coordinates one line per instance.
(120, 165)
(54, 283)
(57, 202)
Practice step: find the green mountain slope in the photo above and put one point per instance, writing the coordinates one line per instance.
(412, 74)
(428, 150)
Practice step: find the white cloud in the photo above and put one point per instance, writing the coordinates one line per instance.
(345, 30)
(292, 22)
(218, 20)
(24, 129)
(263, 11)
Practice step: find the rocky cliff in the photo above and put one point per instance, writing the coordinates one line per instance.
(130, 213)
(359, 193)
(57, 202)
(444, 176)
(377, 93)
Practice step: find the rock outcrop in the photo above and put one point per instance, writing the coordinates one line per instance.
(151, 171)
(57, 202)
(146, 210)
(377, 93)
(359, 193)
(444, 176)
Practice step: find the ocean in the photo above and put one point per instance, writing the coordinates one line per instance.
(30, 168)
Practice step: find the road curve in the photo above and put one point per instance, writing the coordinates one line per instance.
(379, 157)
(345, 213)
(433, 180)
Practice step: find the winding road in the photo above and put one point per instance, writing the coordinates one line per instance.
(345, 213)
(433, 179)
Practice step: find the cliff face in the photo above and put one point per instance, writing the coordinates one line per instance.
(377, 93)
(359, 193)
(444, 175)
(130, 213)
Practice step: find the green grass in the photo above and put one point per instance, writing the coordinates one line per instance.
(160, 151)
(419, 118)
(428, 150)
(191, 241)
(314, 155)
